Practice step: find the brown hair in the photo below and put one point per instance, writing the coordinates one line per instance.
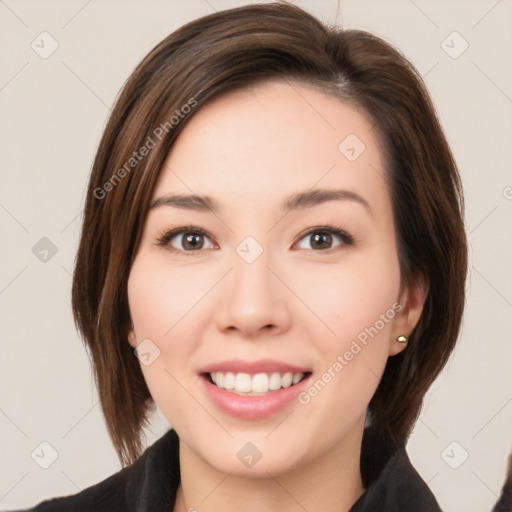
(217, 54)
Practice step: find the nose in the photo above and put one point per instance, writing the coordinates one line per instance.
(253, 301)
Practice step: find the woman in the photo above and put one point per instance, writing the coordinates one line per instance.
(274, 227)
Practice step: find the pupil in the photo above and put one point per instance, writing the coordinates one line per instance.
(189, 240)
(322, 237)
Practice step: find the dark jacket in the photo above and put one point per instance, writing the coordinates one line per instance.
(150, 484)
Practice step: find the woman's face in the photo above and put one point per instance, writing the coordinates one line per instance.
(283, 280)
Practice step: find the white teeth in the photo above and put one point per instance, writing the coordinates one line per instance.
(219, 379)
(287, 379)
(275, 381)
(260, 383)
(229, 380)
(297, 377)
(243, 382)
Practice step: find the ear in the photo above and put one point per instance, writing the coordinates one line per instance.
(412, 299)
(132, 340)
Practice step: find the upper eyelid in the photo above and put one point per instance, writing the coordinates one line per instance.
(171, 233)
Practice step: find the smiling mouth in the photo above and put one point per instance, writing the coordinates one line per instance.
(259, 384)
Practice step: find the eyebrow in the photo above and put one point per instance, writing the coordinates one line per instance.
(297, 201)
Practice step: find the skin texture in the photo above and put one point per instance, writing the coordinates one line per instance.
(298, 302)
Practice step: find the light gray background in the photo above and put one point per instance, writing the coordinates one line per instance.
(52, 114)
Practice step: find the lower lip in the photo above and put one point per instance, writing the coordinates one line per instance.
(253, 407)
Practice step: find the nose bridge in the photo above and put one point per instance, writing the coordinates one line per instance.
(253, 297)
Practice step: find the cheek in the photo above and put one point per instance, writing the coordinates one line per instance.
(350, 298)
(355, 307)
(162, 300)
(161, 303)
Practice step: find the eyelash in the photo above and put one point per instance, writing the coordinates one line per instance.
(346, 239)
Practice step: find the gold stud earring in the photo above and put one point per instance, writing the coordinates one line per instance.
(402, 339)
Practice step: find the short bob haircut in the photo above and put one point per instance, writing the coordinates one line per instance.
(237, 48)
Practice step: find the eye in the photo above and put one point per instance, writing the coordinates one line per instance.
(186, 239)
(322, 238)
(191, 239)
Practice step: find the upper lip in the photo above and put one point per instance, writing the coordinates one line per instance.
(253, 367)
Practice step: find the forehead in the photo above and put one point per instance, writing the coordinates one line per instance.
(265, 141)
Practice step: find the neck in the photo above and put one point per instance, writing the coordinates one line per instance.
(331, 482)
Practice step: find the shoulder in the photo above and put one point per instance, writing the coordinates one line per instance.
(397, 487)
(156, 470)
